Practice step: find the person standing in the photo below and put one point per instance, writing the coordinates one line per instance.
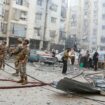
(2, 54)
(95, 60)
(72, 56)
(23, 59)
(65, 59)
(16, 52)
(87, 59)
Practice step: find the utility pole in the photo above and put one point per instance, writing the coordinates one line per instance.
(9, 23)
(45, 25)
(68, 22)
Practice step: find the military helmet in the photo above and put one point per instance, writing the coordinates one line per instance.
(26, 40)
(20, 40)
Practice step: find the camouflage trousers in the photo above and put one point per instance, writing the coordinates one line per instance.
(22, 70)
(2, 63)
(17, 66)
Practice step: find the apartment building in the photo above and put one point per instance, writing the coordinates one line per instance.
(73, 23)
(17, 13)
(1, 17)
(48, 30)
(44, 27)
(86, 22)
(41, 21)
(101, 26)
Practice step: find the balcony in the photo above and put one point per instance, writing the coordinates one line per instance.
(19, 16)
(21, 5)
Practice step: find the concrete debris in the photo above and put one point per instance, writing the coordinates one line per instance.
(70, 85)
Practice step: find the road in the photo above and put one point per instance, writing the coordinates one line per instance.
(40, 95)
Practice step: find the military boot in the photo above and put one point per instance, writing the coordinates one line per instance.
(24, 81)
(15, 74)
(21, 80)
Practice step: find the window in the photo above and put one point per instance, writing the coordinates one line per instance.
(7, 2)
(18, 30)
(37, 31)
(20, 2)
(39, 2)
(103, 4)
(4, 28)
(103, 27)
(102, 39)
(53, 7)
(52, 33)
(103, 16)
(62, 35)
(63, 12)
(53, 20)
(38, 16)
(23, 15)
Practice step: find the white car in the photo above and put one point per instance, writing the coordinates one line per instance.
(60, 55)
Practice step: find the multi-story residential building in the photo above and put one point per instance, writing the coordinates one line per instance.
(72, 24)
(17, 13)
(101, 25)
(1, 17)
(49, 17)
(93, 22)
(88, 16)
(41, 21)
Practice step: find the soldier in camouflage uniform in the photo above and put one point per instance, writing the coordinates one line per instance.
(2, 54)
(16, 52)
(23, 58)
(5, 52)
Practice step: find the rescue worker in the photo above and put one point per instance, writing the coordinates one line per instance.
(23, 58)
(16, 52)
(2, 54)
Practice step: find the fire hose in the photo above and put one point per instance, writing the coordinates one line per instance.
(31, 84)
(27, 75)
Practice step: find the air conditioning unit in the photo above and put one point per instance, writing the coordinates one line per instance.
(23, 16)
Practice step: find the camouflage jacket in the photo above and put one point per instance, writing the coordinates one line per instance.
(23, 55)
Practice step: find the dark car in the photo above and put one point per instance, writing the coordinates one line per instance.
(33, 56)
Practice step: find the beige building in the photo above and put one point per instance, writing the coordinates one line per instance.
(1, 17)
(86, 20)
(41, 21)
(46, 23)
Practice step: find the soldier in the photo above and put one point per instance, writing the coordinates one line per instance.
(5, 52)
(2, 54)
(23, 58)
(16, 53)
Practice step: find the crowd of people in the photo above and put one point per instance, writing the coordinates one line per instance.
(85, 59)
(20, 52)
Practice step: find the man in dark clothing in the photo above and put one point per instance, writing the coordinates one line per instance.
(65, 59)
(95, 60)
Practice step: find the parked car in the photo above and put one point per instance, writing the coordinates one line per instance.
(33, 57)
(42, 56)
(59, 56)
